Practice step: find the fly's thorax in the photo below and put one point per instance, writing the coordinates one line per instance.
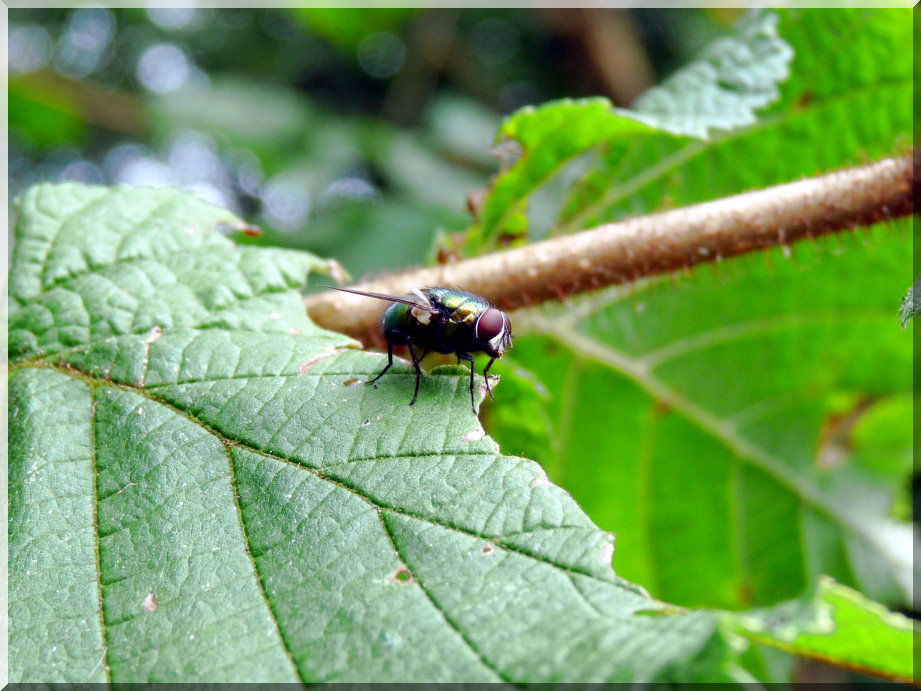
(462, 307)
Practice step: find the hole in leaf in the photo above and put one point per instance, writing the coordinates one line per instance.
(403, 576)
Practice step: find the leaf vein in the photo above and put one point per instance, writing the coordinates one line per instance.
(255, 565)
(431, 598)
(741, 330)
(714, 426)
(583, 597)
(99, 584)
(43, 267)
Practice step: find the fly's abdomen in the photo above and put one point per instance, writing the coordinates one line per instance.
(397, 323)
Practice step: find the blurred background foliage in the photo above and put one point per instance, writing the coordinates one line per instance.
(357, 134)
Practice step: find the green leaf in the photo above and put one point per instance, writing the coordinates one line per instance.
(837, 625)
(722, 89)
(199, 493)
(548, 137)
(863, 95)
(734, 77)
(742, 396)
(346, 27)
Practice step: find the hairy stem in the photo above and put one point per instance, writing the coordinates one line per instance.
(626, 251)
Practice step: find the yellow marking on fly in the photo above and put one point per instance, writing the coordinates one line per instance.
(459, 311)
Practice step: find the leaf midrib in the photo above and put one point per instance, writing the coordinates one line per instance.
(103, 627)
(286, 647)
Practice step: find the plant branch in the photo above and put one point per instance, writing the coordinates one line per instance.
(621, 252)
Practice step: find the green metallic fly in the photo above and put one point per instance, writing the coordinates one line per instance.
(443, 320)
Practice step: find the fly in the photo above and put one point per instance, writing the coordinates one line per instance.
(443, 320)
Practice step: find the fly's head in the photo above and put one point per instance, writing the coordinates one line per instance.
(493, 331)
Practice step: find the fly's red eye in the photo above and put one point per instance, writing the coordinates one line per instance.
(490, 324)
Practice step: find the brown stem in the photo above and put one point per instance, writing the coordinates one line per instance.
(613, 60)
(621, 252)
(116, 110)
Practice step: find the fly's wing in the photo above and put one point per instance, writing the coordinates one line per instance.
(420, 302)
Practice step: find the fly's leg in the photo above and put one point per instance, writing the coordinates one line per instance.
(389, 363)
(467, 356)
(486, 377)
(412, 352)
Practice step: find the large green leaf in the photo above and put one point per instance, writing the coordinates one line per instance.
(199, 493)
